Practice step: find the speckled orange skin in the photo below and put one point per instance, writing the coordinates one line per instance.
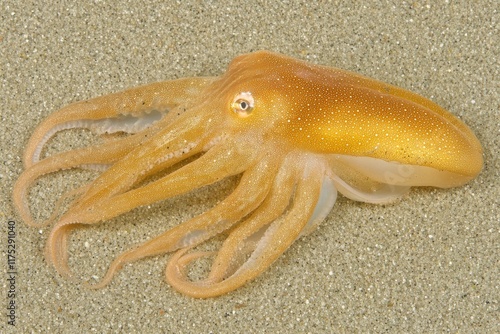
(328, 110)
(295, 132)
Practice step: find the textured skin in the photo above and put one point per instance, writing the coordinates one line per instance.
(328, 110)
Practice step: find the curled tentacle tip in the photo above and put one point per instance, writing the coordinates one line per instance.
(115, 266)
(27, 217)
(177, 277)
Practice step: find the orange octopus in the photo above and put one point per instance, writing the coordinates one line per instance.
(296, 132)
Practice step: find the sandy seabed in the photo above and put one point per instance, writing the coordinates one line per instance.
(429, 263)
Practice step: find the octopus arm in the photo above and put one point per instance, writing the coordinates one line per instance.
(274, 233)
(128, 111)
(165, 149)
(219, 162)
(97, 157)
(252, 189)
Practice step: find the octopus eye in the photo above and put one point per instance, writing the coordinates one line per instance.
(243, 104)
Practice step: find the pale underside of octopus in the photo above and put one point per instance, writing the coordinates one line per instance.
(296, 133)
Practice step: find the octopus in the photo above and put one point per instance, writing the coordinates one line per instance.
(294, 132)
